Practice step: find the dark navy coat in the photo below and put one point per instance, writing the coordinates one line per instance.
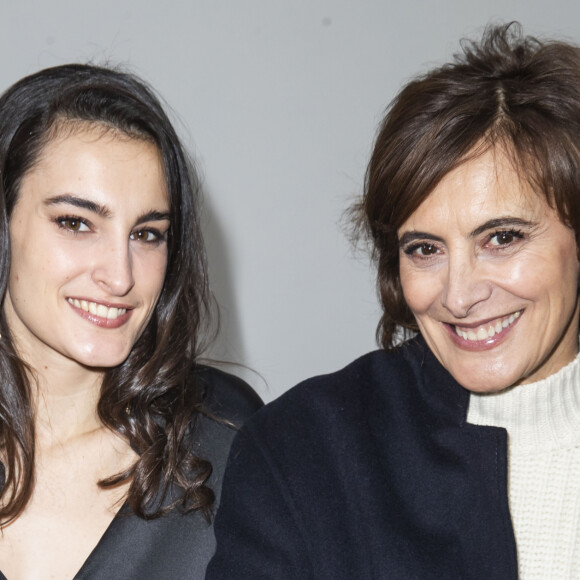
(368, 473)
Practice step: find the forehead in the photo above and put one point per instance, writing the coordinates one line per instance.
(98, 161)
(66, 134)
(485, 187)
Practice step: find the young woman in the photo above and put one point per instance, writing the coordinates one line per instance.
(113, 437)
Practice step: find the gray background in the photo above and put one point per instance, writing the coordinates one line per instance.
(279, 102)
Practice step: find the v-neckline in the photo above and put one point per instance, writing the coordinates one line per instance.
(122, 513)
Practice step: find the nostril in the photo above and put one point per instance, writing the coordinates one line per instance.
(116, 279)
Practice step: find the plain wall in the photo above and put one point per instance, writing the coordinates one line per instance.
(279, 103)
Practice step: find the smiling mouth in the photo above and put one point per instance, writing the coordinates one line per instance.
(100, 310)
(487, 330)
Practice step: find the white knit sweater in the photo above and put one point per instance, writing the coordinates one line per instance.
(543, 424)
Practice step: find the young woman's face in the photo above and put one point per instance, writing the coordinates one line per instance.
(88, 249)
(491, 274)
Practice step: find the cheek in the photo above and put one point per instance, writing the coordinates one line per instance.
(516, 277)
(42, 256)
(154, 276)
(420, 289)
(534, 275)
(30, 264)
(151, 272)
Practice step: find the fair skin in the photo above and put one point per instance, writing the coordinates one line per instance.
(490, 273)
(89, 254)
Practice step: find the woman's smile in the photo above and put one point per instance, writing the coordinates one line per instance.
(483, 335)
(105, 316)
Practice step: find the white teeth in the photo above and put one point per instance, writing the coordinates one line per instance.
(99, 310)
(482, 333)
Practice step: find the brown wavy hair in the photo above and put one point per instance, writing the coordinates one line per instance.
(152, 399)
(510, 91)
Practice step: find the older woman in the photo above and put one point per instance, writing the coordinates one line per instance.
(113, 436)
(457, 453)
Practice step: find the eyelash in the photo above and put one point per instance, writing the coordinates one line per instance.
(516, 234)
(61, 220)
(159, 237)
(413, 248)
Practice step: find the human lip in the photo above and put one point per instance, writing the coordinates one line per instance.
(483, 335)
(101, 313)
(488, 329)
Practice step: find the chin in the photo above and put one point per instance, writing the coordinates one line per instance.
(102, 358)
(485, 380)
(485, 387)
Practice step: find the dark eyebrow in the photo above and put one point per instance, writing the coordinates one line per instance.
(409, 237)
(152, 216)
(494, 224)
(100, 210)
(505, 222)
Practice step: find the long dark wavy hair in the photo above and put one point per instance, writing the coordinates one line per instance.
(152, 398)
(510, 91)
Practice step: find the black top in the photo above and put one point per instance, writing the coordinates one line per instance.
(368, 473)
(175, 546)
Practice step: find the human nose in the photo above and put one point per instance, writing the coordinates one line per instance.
(465, 287)
(114, 269)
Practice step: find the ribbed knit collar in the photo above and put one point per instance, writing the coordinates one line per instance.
(538, 416)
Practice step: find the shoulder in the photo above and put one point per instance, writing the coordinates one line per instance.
(227, 403)
(380, 390)
(226, 396)
(376, 374)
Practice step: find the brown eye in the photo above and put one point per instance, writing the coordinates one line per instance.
(145, 236)
(422, 250)
(504, 237)
(73, 224)
(427, 249)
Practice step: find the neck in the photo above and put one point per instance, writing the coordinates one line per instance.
(64, 398)
(66, 412)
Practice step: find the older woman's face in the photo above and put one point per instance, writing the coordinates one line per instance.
(491, 275)
(89, 251)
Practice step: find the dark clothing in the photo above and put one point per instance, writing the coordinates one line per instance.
(175, 546)
(368, 473)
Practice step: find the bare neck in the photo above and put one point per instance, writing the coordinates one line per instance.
(64, 397)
